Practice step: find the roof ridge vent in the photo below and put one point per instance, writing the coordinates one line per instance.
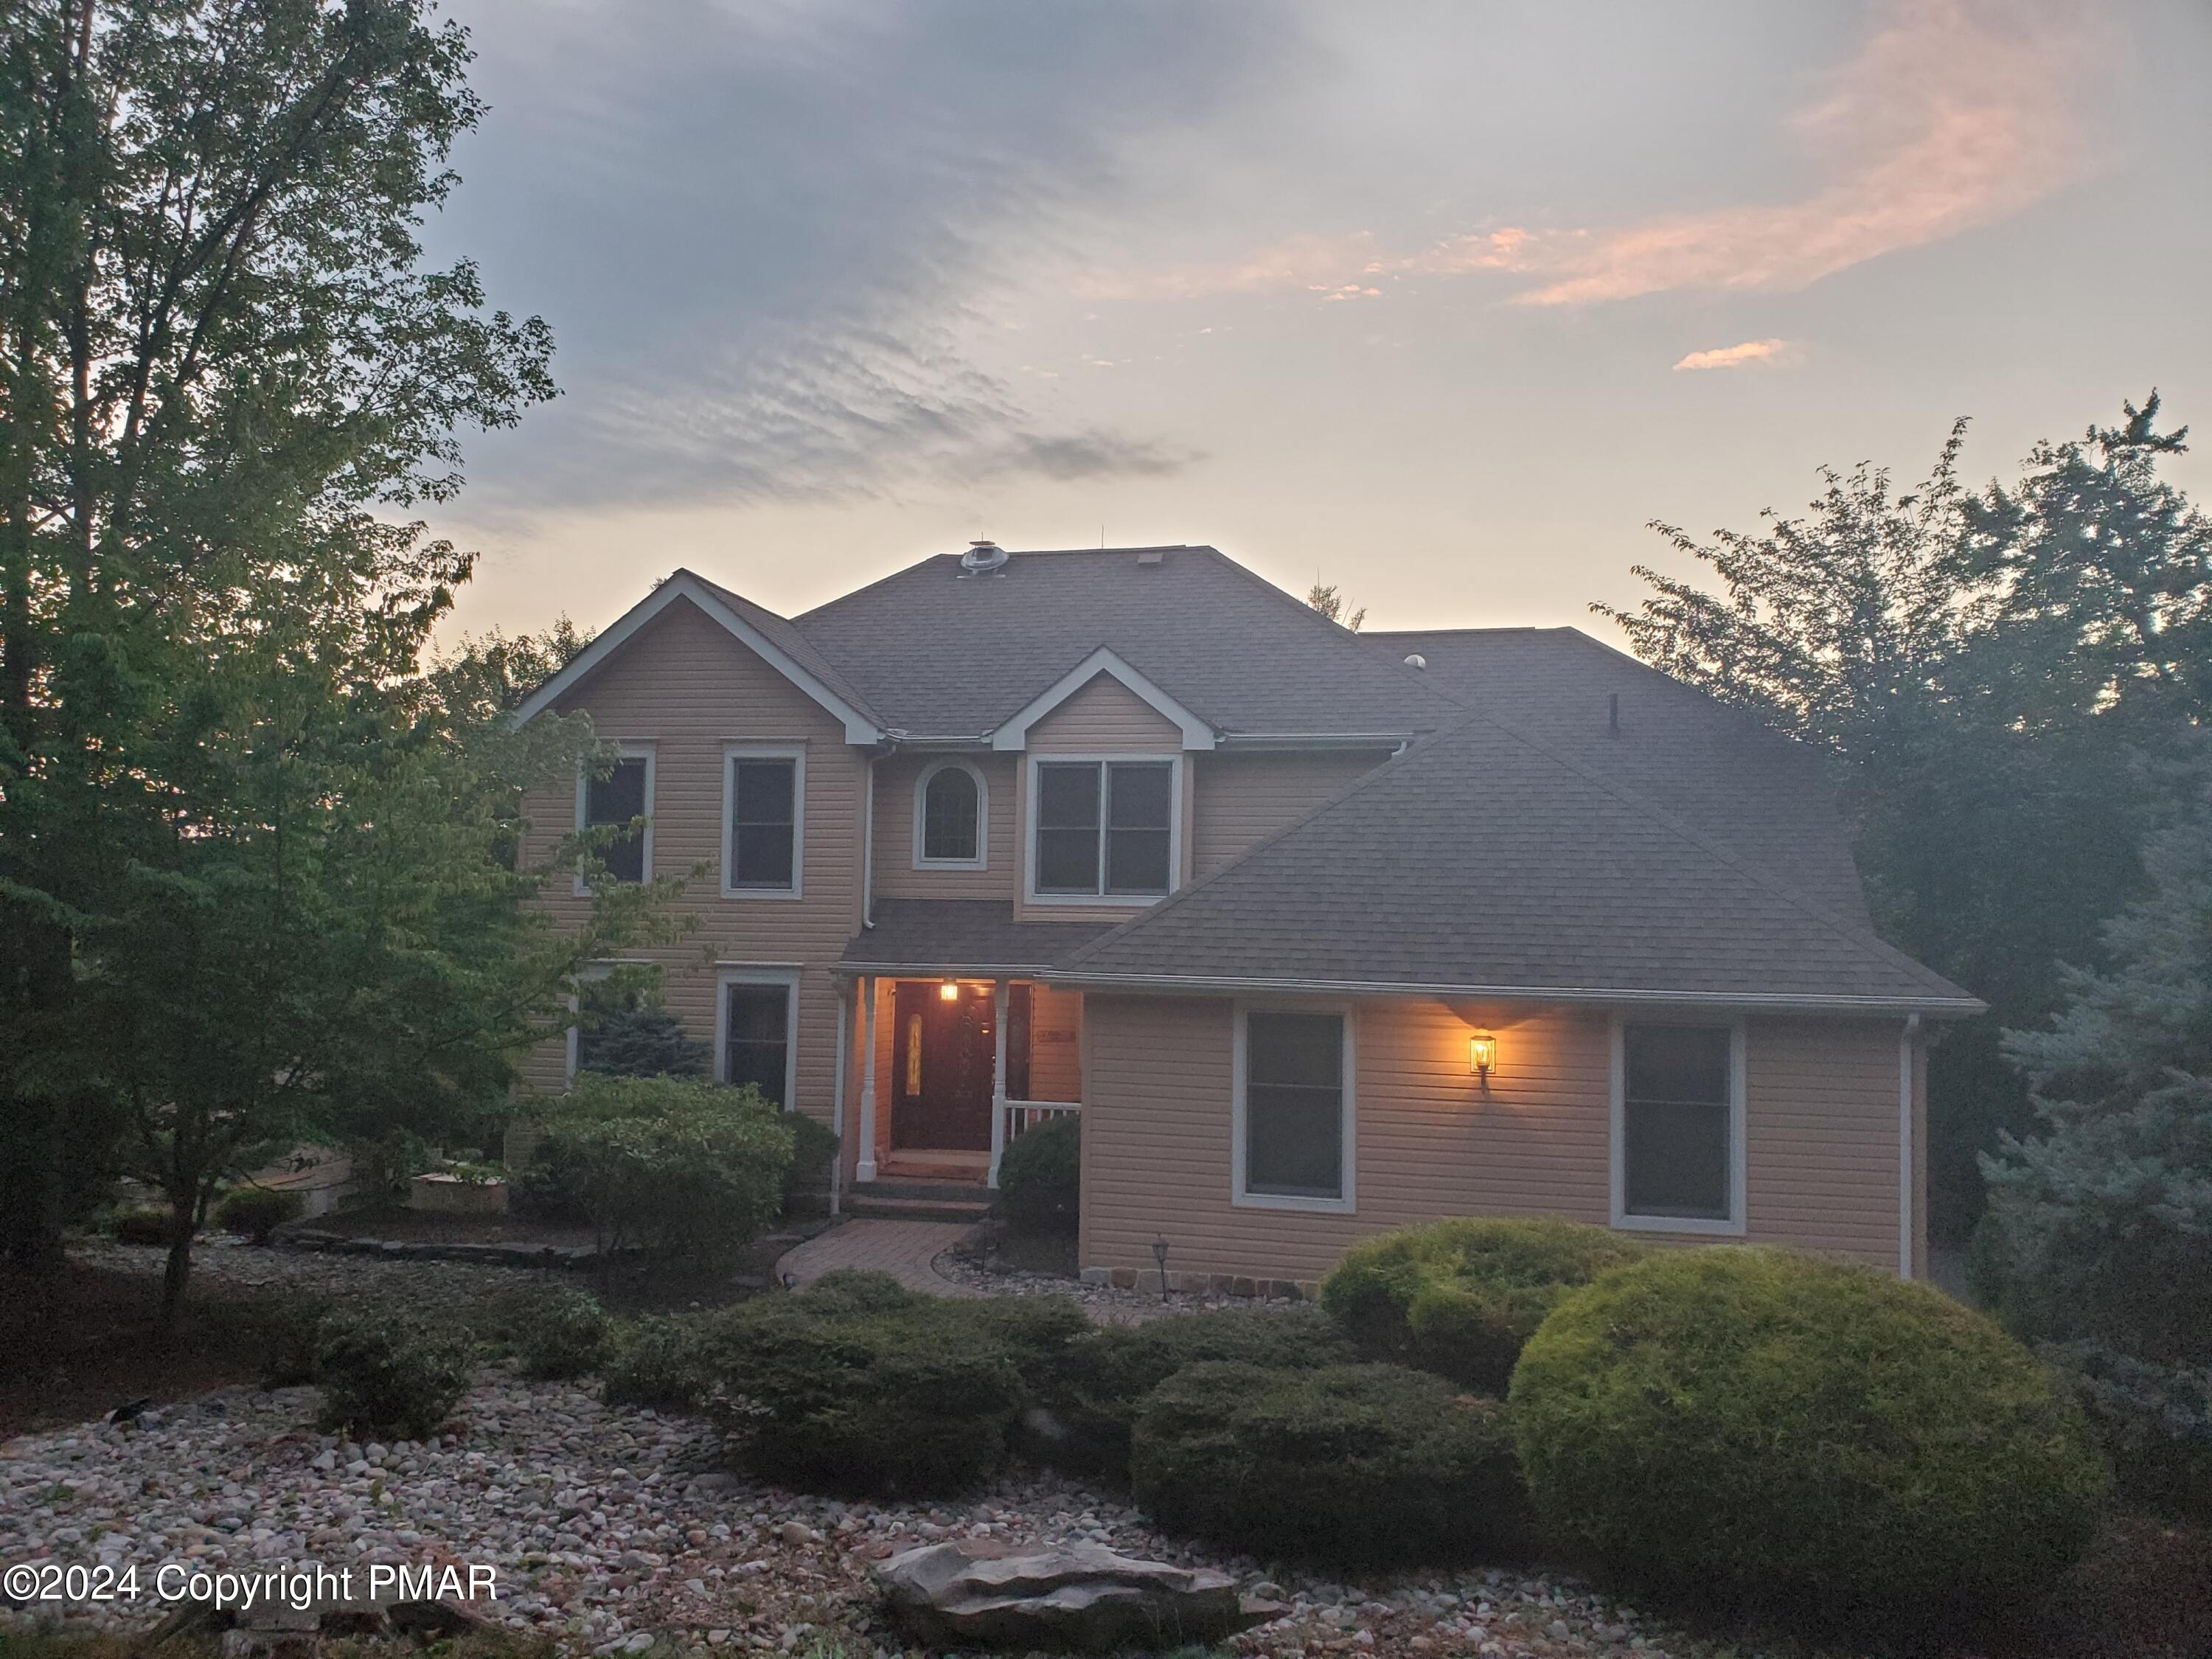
(981, 556)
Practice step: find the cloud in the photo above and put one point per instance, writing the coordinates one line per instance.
(1953, 114)
(1735, 357)
(773, 238)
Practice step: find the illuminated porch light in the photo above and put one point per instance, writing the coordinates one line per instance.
(950, 991)
(1482, 1056)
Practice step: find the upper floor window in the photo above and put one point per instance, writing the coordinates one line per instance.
(949, 815)
(1104, 828)
(622, 796)
(1678, 1139)
(764, 796)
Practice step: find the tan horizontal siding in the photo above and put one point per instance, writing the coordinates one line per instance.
(684, 685)
(1242, 799)
(1056, 1044)
(1156, 1128)
(896, 845)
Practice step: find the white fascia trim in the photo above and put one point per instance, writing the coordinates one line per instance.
(625, 749)
(1270, 742)
(983, 859)
(1733, 1226)
(1101, 899)
(1934, 1007)
(859, 729)
(732, 753)
(1014, 733)
(1238, 1198)
(759, 974)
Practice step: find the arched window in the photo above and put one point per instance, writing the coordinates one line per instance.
(949, 807)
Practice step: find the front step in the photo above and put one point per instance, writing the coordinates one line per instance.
(919, 1201)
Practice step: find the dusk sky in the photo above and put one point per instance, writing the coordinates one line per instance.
(1441, 303)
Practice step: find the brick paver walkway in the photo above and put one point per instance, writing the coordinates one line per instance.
(904, 1249)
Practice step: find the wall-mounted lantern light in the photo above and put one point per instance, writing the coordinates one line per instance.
(950, 991)
(1482, 1056)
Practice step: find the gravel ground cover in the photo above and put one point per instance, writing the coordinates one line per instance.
(1107, 1304)
(615, 1531)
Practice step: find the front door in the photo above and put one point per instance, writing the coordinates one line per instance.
(942, 1051)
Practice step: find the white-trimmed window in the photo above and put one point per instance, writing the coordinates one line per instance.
(1293, 1115)
(951, 818)
(1104, 828)
(756, 1031)
(763, 820)
(1678, 1126)
(622, 796)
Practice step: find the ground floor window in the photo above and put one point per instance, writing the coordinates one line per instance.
(1679, 1127)
(1294, 1110)
(757, 1019)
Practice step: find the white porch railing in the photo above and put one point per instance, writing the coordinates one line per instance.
(1024, 1114)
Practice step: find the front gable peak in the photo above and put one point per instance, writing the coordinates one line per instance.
(1012, 734)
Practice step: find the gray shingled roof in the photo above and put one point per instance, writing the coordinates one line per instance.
(941, 654)
(786, 636)
(963, 936)
(1764, 795)
(1481, 861)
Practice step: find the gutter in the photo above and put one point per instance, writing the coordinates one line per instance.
(1934, 1007)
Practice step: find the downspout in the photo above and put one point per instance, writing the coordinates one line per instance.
(1906, 1232)
(837, 1102)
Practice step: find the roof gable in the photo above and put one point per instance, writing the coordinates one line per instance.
(762, 632)
(1481, 863)
(1014, 732)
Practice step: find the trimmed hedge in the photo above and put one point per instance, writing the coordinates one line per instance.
(142, 1226)
(814, 1153)
(1110, 1372)
(390, 1374)
(1347, 1466)
(823, 1392)
(255, 1212)
(660, 1361)
(1788, 1434)
(1041, 1177)
(563, 1333)
(1459, 1297)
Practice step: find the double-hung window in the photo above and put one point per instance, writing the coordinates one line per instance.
(1294, 1110)
(1104, 828)
(1677, 1133)
(622, 796)
(764, 795)
(756, 1019)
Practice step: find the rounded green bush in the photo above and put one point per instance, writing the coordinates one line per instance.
(1459, 1298)
(814, 1154)
(255, 1212)
(1346, 1466)
(823, 1392)
(858, 1289)
(658, 1362)
(1110, 1370)
(142, 1226)
(563, 1333)
(392, 1374)
(1785, 1435)
(1041, 1177)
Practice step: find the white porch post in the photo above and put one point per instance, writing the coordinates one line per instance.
(999, 997)
(866, 1171)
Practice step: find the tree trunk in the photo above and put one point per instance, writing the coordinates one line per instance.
(178, 1271)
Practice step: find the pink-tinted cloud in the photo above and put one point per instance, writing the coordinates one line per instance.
(1735, 357)
(1955, 113)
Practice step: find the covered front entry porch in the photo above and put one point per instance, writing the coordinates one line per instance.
(953, 1069)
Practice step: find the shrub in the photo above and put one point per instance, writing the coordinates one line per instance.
(1108, 1373)
(2154, 1421)
(391, 1374)
(823, 1392)
(1041, 1176)
(642, 1040)
(1349, 1465)
(563, 1333)
(677, 1168)
(858, 1289)
(814, 1153)
(658, 1362)
(256, 1212)
(1459, 1298)
(142, 1226)
(1786, 1433)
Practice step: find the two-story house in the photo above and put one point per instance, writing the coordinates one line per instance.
(1318, 932)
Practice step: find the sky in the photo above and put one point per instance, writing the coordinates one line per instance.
(1440, 303)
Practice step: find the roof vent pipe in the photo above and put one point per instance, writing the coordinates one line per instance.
(981, 556)
(1417, 660)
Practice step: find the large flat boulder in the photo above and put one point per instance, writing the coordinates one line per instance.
(1082, 1598)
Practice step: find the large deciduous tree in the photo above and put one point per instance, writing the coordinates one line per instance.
(249, 853)
(2008, 680)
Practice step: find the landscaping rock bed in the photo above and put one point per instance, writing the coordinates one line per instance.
(612, 1529)
(1108, 1303)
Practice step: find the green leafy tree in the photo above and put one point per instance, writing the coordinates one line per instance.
(2007, 680)
(1325, 598)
